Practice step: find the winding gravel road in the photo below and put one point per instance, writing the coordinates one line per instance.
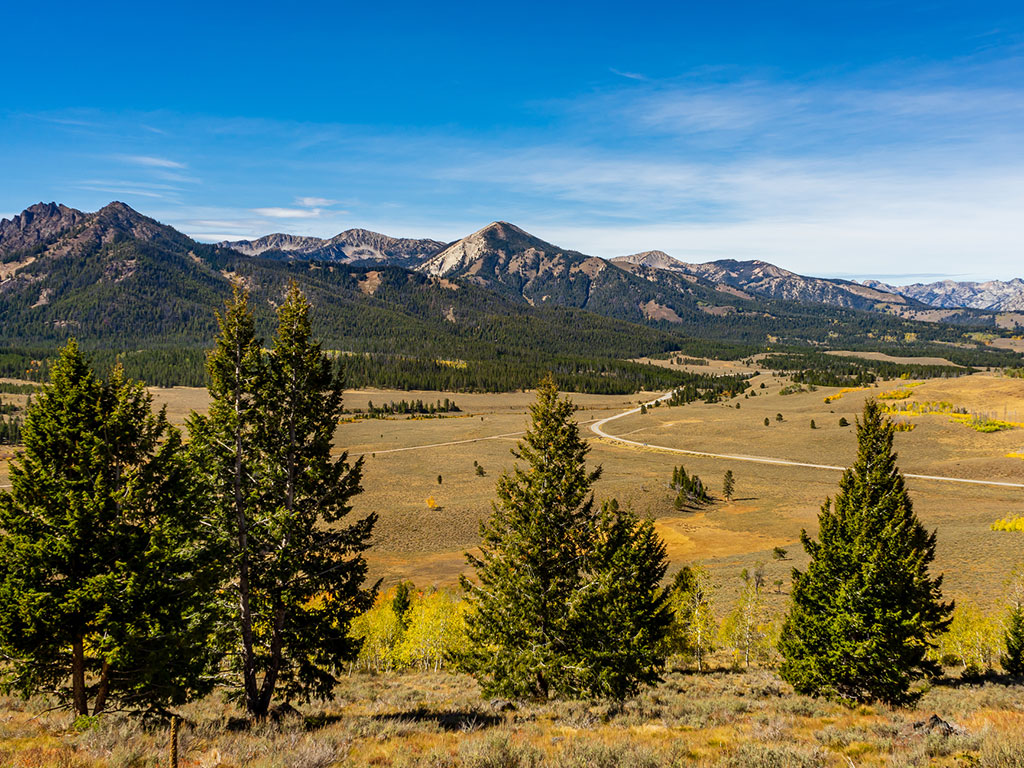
(598, 429)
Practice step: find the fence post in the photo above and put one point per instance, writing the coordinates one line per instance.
(174, 741)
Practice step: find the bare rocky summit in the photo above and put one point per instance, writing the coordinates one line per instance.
(37, 224)
(504, 250)
(353, 246)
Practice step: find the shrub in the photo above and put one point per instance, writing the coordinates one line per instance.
(1009, 524)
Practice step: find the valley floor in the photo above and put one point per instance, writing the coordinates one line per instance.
(426, 526)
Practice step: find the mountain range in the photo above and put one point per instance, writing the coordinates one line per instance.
(995, 295)
(518, 252)
(353, 246)
(118, 279)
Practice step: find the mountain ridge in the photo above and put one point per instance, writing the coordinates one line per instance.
(765, 279)
(993, 295)
(353, 246)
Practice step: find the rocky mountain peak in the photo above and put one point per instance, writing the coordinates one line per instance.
(654, 259)
(515, 249)
(36, 224)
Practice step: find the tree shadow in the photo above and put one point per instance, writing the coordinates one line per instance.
(967, 680)
(450, 720)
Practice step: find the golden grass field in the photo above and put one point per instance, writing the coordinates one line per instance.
(404, 456)
(722, 719)
(729, 718)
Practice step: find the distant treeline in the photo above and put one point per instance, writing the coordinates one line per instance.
(709, 388)
(595, 376)
(412, 407)
(184, 367)
(187, 367)
(820, 369)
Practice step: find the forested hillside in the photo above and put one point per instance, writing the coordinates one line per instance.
(493, 311)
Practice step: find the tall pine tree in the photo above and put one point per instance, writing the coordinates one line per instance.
(566, 599)
(622, 615)
(104, 576)
(863, 614)
(297, 572)
(223, 452)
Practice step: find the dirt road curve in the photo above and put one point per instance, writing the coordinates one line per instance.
(597, 428)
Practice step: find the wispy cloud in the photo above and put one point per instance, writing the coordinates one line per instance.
(288, 213)
(151, 162)
(627, 75)
(71, 122)
(315, 202)
(153, 190)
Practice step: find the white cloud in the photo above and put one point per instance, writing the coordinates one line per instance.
(151, 162)
(129, 188)
(289, 213)
(627, 75)
(315, 202)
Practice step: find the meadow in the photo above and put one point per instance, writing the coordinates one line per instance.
(722, 719)
(421, 477)
(425, 542)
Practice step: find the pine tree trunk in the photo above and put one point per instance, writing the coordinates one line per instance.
(274, 667)
(266, 693)
(248, 656)
(81, 702)
(541, 686)
(103, 690)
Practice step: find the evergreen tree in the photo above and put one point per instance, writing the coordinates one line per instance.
(532, 547)
(266, 449)
(623, 615)
(728, 485)
(402, 602)
(104, 578)
(567, 598)
(224, 455)
(863, 614)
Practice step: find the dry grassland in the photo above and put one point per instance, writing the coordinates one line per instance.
(722, 719)
(404, 457)
(727, 718)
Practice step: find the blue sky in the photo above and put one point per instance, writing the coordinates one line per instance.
(854, 139)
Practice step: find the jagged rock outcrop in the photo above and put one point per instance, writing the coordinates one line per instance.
(37, 224)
